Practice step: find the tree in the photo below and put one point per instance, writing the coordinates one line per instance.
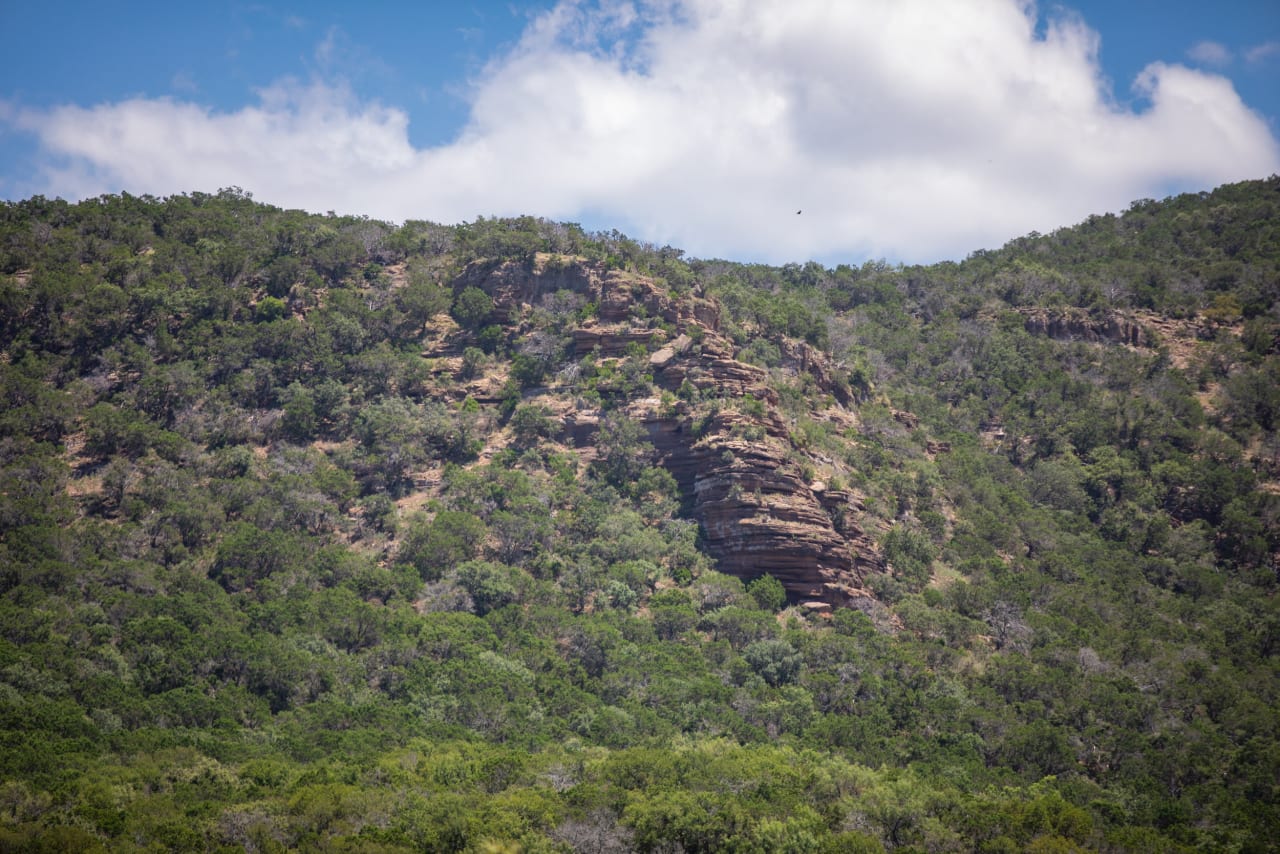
(471, 307)
(672, 613)
(436, 547)
(910, 554)
(775, 660)
(391, 434)
(248, 556)
(270, 309)
(739, 626)
(623, 450)
(1008, 627)
(491, 585)
(768, 593)
(473, 358)
(421, 300)
(530, 423)
(299, 421)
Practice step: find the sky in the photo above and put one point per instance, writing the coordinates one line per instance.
(905, 130)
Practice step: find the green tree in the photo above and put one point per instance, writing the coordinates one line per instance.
(471, 308)
(530, 424)
(775, 660)
(491, 585)
(768, 593)
(247, 556)
(623, 451)
(299, 422)
(910, 554)
(437, 546)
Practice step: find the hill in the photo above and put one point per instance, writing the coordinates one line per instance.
(318, 532)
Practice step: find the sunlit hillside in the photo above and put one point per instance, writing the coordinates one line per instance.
(323, 533)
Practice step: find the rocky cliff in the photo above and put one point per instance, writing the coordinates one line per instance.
(1077, 325)
(723, 440)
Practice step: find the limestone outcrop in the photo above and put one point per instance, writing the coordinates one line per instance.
(1076, 325)
(723, 440)
(757, 511)
(618, 295)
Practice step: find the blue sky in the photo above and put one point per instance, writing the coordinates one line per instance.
(912, 130)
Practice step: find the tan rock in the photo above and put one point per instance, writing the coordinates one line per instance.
(737, 471)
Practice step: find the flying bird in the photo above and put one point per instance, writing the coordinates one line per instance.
(797, 213)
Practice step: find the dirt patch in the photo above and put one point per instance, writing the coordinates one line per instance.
(1185, 339)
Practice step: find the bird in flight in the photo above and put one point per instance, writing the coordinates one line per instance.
(797, 213)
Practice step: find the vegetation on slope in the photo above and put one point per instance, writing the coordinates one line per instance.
(293, 553)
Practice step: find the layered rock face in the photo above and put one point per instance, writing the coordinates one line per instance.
(618, 295)
(734, 463)
(1068, 325)
(758, 514)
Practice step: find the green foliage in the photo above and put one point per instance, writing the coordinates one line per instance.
(910, 554)
(527, 370)
(529, 424)
(473, 358)
(471, 308)
(299, 421)
(776, 661)
(436, 547)
(623, 451)
(491, 585)
(768, 593)
(270, 579)
(249, 556)
(269, 309)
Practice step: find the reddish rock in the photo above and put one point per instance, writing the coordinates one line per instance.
(610, 340)
(757, 513)
(618, 295)
(737, 470)
(801, 357)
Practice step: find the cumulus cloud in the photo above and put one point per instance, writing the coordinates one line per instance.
(306, 146)
(903, 128)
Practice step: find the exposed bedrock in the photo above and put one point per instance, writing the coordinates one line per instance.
(1067, 325)
(758, 514)
(734, 465)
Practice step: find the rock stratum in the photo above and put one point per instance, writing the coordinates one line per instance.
(719, 431)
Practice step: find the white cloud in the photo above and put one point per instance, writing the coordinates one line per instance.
(310, 147)
(1262, 52)
(903, 128)
(1210, 53)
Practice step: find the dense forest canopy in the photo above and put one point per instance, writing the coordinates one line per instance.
(320, 532)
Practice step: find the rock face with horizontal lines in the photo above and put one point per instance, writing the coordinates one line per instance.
(731, 452)
(758, 512)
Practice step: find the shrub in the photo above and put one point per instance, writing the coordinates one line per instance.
(768, 593)
(471, 308)
(776, 661)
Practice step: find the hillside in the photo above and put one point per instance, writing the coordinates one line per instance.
(318, 532)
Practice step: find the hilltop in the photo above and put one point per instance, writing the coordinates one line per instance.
(318, 531)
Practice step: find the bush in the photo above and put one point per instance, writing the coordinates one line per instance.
(776, 661)
(471, 308)
(491, 585)
(530, 423)
(269, 309)
(910, 554)
(768, 593)
(433, 548)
